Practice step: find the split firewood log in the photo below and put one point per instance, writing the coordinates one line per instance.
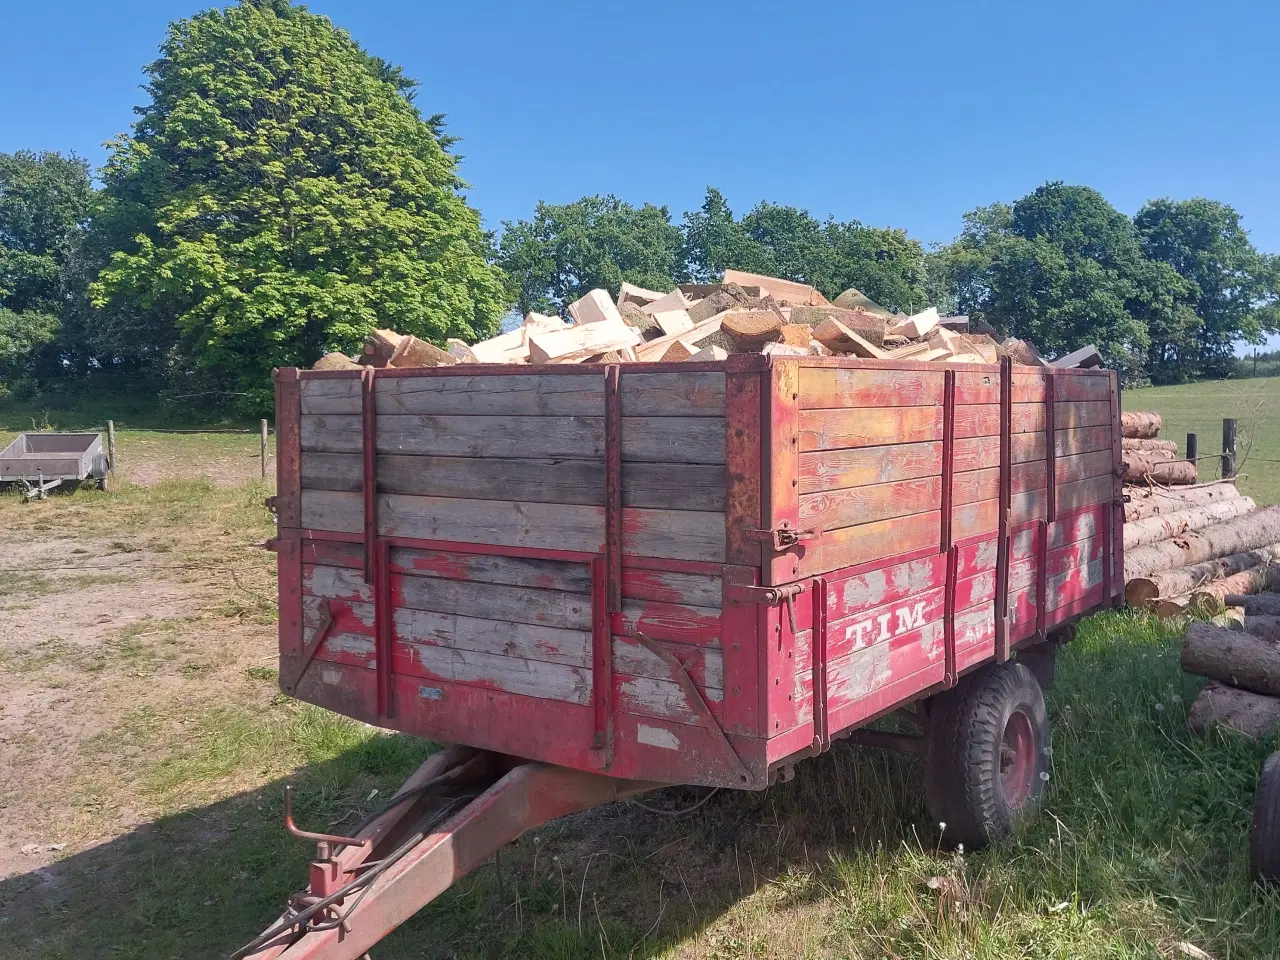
(1234, 657)
(1140, 424)
(1251, 532)
(412, 352)
(1252, 714)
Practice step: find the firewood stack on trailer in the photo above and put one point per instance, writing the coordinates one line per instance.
(1188, 546)
(744, 313)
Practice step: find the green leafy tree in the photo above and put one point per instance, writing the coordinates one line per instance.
(713, 241)
(568, 249)
(281, 196)
(1064, 268)
(1233, 291)
(44, 205)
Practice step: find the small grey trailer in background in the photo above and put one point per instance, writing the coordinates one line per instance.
(42, 461)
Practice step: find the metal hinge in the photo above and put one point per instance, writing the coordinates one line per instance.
(270, 504)
(784, 536)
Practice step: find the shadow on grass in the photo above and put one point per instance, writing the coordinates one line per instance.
(1143, 844)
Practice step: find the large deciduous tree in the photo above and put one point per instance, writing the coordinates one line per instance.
(281, 196)
(44, 206)
(1064, 268)
(1233, 290)
(568, 249)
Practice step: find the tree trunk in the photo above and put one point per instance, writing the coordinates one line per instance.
(379, 347)
(1268, 628)
(1144, 591)
(1210, 598)
(1253, 715)
(1260, 529)
(1139, 425)
(412, 352)
(1267, 604)
(1232, 657)
(1150, 446)
(1148, 501)
(1166, 525)
(1145, 468)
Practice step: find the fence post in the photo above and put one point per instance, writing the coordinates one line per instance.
(111, 446)
(1193, 448)
(1228, 449)
(264, 449)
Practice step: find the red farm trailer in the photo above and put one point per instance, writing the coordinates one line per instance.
(596, 580)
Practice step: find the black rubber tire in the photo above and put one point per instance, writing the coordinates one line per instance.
(1264, 835)
(964, 786)
(1040, 661)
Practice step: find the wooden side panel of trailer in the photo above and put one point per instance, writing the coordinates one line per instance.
(680, 572)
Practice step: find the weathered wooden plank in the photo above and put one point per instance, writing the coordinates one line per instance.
(835, 469)
(571, 438)
(666, 587)
(1081, 493)
(1073, 584)
(671, 439)
(335, 583)
(492, 601)
(680, 486)
(705, 665)
(974, 386)
(673, 534)
(678, 623)
(671, 394)
(674, 486)
(857, 675)
(1058, 561)
(662, 699)
(486, 394)
(651, 439)
(354, 622)
(850, 546)
(885, 623)
(561, 575)
(844, 508)
(537, 525)
(837, 429)
(831, 387)
(853, 595)
(530, 678)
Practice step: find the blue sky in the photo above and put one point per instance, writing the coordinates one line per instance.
(903, 114)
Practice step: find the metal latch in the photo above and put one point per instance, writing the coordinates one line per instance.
(778, 596)
(784, 536)
(270, 504)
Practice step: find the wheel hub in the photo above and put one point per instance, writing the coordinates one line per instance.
(1017, 759)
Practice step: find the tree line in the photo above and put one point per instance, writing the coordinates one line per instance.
(281, 195)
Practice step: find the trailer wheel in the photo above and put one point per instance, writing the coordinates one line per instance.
(987, 753)
(1264, 836)
(1040, 661)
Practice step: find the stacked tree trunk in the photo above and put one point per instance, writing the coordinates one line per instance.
(1243, 667)
(1188, 545)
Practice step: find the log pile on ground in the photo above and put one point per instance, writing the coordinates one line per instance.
(744, 313)
(1243, 668)
(1188, 546)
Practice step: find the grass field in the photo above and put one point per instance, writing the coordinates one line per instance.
(144, 747)
(1200, 408)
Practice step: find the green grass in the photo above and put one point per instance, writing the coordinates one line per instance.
(1199, 408)
(1142, 846)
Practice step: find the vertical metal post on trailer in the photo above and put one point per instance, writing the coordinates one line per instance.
(948, 501)
(1002, 519)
